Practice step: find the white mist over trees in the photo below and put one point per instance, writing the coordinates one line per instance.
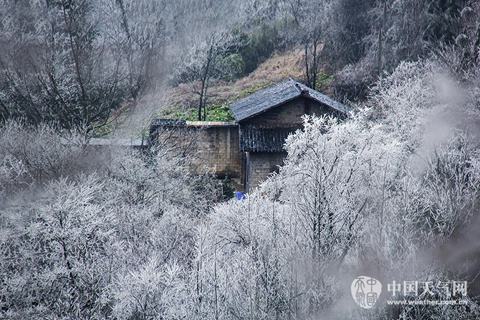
(78, 62)
(392, 191)
(136, 238)
(352, 197)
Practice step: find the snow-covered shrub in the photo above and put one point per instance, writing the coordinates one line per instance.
(140, 238)
(83, 242)
(32, 154)
(273, 255)
(154, 291)
(58, 262)
(369, 195)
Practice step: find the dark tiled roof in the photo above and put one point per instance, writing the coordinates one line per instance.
(276, 95)
(253, 139)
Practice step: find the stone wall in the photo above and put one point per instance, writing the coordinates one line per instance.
(260, 165)
(212, 147)
(217, 149)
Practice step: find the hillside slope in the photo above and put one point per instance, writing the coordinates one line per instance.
(181, 101)
(275, 69)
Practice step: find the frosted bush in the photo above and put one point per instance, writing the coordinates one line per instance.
(151, 292)
(29, 154)
(371, 193)
(142, 238)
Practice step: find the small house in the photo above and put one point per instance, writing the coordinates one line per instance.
(252, 147)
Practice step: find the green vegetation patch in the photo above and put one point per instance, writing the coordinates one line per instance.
(219, 113)
(214, 113)
(324, 80)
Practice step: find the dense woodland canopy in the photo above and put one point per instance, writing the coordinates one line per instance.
(392, 192)
(77, 61)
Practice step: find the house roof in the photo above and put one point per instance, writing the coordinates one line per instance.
(278, 94)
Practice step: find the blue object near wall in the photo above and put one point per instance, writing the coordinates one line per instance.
(239, 195)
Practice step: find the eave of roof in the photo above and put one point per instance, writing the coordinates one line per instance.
(276, 95)
(253, 139)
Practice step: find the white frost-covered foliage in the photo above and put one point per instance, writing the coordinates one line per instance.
(403, 98)
(152, 292)
(30, 154)
(138, 238)
(103, 243)
(372, 195)
(275, 254)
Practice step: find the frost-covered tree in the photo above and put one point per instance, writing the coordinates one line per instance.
(84, 242)
(367, 195)
(202, 64)
(31, 155)
(392, 191)
(65, 72)
(139, 32)
(205, 49)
